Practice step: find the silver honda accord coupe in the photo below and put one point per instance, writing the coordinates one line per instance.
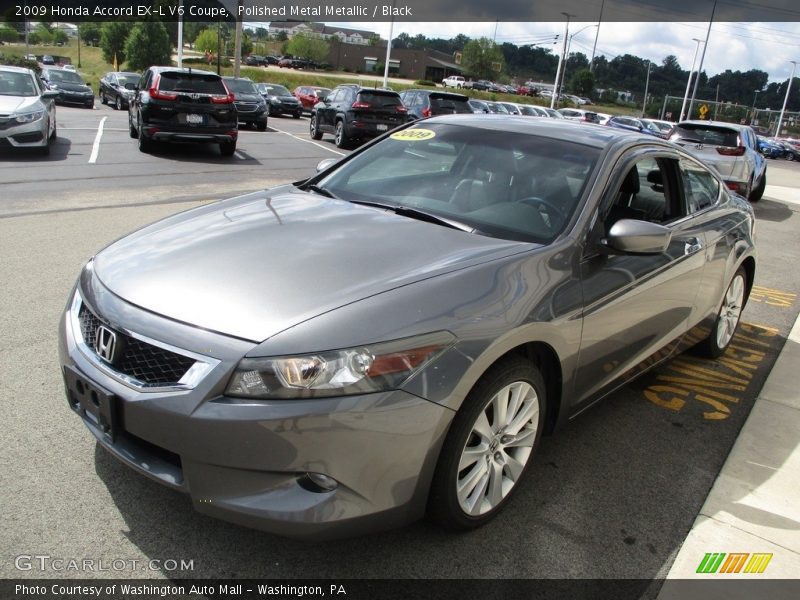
(391, 337)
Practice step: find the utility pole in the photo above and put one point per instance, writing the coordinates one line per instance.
(786, 99)
(388, 50)
(702, 57)
(596, 35)
(561, 59)
(646, 87)
(683, 114)
(237, 51)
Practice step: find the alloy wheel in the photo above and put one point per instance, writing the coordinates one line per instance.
(731, 311)
(498, 448)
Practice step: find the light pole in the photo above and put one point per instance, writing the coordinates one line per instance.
(786, 99)
(389, 50)
(753, 118)
(569, 43)
(702, 58)
(596, 35)
(689, 81)
(560, 61)
(646, 87)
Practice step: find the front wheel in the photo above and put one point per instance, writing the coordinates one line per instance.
(118, 103)
(728, 317)
(489, 446)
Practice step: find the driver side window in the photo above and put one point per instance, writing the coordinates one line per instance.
(647, 193)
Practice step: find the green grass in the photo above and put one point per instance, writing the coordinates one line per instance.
(92, 66)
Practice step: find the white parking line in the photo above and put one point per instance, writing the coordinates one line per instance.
(97, 138)
(309, 142)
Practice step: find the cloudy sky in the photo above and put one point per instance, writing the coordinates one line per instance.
(734, 46)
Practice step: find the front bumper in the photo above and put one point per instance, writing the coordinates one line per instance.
(24, 135)
(75, 98)
(247, 461)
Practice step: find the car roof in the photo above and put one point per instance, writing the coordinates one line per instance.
(588, 134)
(12, 69)
(734, 126)
(156, 69)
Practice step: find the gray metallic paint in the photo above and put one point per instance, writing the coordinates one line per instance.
(205, 280)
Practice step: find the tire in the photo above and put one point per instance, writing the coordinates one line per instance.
(316, 134)
(728, 318)
(296, 115)
(54, 135)
(227, 148)
(145, 143)
(131, 129)
(103, 99)
(489, 447)
(758, 191)
(118, 103)
(340, 136)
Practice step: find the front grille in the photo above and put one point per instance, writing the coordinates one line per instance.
(148, 364)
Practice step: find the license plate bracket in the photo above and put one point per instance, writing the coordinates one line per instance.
(98, 405)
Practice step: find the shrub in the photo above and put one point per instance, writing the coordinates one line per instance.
(425, 82)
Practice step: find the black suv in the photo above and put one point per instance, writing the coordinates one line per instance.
(250, 105)
(183, 105)
(353, 114)
(428, 103)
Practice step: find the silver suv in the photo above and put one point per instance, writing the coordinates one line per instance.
(730, 148)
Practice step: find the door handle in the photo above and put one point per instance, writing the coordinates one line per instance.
(692, 245)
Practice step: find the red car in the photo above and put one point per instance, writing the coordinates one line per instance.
(309, 95)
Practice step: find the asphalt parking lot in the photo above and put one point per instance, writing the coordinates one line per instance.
(612, 495)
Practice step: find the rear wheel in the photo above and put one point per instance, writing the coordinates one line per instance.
(313, 128)
(340, 136)
(131, 128)
(489, 446)
(728, 317)
(145, 143)
(758, 191)
(227, 148)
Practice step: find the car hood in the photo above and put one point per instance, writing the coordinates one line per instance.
(71, 87)
(254, 266)
(12, 104)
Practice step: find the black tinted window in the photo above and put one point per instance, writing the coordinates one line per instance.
(241, 86)
(705, 134)
(195, 82)
(448, 105)
(379, 100)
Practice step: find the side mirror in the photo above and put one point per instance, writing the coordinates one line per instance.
(630, 236)
(326, 163)
(50, 94)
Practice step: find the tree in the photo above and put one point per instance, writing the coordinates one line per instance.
(304, 46)
(206, 41)
(8, 34)
(148, 44)
(90, 33)
(41, 35)
(60, 37)
(374, 39)
(113, 36)
(481, 58)
(582, 82)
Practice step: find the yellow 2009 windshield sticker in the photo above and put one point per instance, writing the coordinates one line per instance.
(413, 135)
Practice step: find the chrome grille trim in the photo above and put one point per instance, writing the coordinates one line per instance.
(201, 367)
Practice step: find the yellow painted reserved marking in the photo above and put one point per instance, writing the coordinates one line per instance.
(716, 385)
(772, 297)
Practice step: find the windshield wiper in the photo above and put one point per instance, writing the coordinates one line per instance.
(313, 187)
(421, 215)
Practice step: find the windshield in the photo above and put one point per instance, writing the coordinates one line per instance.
(16, 84)
(64, 77)
(501, 183)
(124, 79)
(241, 86)
(273, 89)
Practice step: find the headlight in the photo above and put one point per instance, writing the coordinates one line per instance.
(361, 370)
(29, 117)
(274, 100)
